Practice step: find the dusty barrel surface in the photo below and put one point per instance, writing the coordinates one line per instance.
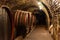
(5, 24)
(23, 22)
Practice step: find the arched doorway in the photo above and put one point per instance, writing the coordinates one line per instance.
(41, 18)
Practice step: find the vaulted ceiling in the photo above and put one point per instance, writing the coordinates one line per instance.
(22, 4)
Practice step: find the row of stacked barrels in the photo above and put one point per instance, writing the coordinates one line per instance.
(23, 21)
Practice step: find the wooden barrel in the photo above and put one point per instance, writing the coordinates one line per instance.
(23, 21)
(5, 25)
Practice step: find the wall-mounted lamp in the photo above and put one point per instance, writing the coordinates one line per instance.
(40, 5)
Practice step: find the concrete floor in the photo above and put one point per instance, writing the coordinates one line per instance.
(40, 33)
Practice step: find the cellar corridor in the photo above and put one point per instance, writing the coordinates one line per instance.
(39, 32)
(29, 20)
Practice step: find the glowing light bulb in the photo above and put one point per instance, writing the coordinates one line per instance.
(39, 3)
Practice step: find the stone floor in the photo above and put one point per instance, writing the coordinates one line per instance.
(40, 33)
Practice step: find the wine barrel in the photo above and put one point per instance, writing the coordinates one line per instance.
(23, 21)
(5, 25)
